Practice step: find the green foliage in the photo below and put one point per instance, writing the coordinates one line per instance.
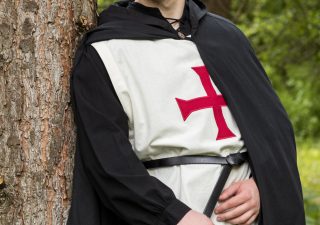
(309, 167)
(102, 4)
(286, 37)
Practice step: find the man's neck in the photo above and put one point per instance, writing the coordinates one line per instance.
(168, 8)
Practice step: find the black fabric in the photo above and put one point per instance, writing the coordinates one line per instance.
(151, 11)
(106, 191)
(110, 182)
(184, 27)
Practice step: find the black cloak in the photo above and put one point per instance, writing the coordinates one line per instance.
(103, 196)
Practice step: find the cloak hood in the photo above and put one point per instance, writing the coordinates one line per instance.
(117, 21)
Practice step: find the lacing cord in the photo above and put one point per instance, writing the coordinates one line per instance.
(174, 20)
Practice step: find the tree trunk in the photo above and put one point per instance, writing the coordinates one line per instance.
(220, 7)
(37, 135)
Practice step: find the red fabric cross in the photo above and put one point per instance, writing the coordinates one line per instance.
(212, 100)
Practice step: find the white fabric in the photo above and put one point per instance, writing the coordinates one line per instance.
(147, 76)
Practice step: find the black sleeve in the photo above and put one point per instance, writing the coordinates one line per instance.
(120, 179)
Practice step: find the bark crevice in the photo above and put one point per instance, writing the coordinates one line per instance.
(37, 135)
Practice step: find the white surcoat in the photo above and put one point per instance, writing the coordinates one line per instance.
(155, 81)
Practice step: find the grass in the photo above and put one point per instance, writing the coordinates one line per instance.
(309, 168)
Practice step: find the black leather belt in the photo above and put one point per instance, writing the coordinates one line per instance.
(235, 159)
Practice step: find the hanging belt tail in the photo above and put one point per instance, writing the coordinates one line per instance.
(235, 159)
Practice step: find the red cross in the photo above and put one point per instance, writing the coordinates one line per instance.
(212, 100)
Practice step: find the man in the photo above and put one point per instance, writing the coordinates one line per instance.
(148, 86)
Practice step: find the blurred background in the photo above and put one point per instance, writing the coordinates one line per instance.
(286, 37)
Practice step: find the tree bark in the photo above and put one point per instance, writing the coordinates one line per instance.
(37, 134)
(220, 7)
